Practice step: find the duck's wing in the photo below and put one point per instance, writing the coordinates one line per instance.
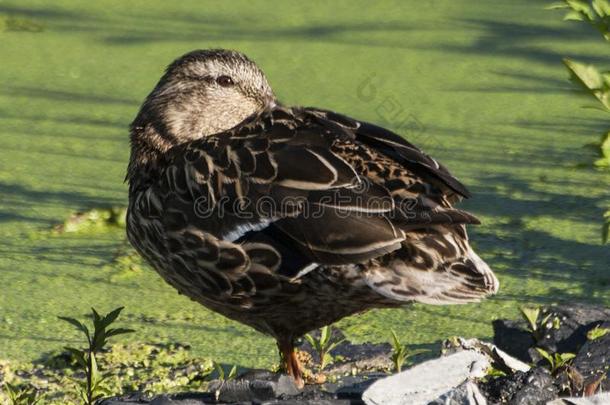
(399, 149)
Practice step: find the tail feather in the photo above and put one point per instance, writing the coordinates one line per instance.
(435, 268)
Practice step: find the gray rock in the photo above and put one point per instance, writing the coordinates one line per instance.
(599, 399)
(538, 389)
(427, 381)
(241, 390)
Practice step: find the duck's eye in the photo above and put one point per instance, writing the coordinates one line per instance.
(225, 81)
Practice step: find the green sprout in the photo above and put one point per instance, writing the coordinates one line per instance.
(21, 396)
(93, 388)
(222, 376)
(557, 360)
(493, 373)
(597, 332)
(400, 352)
(324, 345)
(535, 323)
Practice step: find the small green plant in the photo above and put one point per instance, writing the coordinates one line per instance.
(557, 360)
(492, 373)
(535, 323)
(323, 345)
(400, 352)
(222, 376)
(21, 396)
(597, 332)
(93, 388)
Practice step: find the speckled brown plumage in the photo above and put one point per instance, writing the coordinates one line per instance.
(288, 219)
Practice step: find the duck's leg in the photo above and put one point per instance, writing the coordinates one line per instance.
(290, 363)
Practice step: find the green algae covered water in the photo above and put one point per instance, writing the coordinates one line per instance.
(479, 85)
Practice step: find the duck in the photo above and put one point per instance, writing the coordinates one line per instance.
(287, 218)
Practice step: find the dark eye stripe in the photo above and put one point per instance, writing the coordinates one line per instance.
(224, 81)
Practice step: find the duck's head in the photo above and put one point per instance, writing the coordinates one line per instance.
(201, 93)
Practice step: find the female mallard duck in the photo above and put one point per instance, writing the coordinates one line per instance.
(285, 218)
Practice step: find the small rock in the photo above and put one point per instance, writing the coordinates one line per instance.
(593, 362)
(427, 381)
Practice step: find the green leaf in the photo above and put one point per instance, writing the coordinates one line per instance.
(546, 356)
(94, 372)
(564, 357)
(573, 16)
(531, 317)
(601, 7)
(232, 373)
(556, 323)
(311, 340)
(77, 324)
(118, 331)
(597, 332)
(325, 360)
(325, 334)
(557, 6)
(590, 79)
(111, 316)
(583, 7)
(395, 341)
(220, 370)
(97, 319)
